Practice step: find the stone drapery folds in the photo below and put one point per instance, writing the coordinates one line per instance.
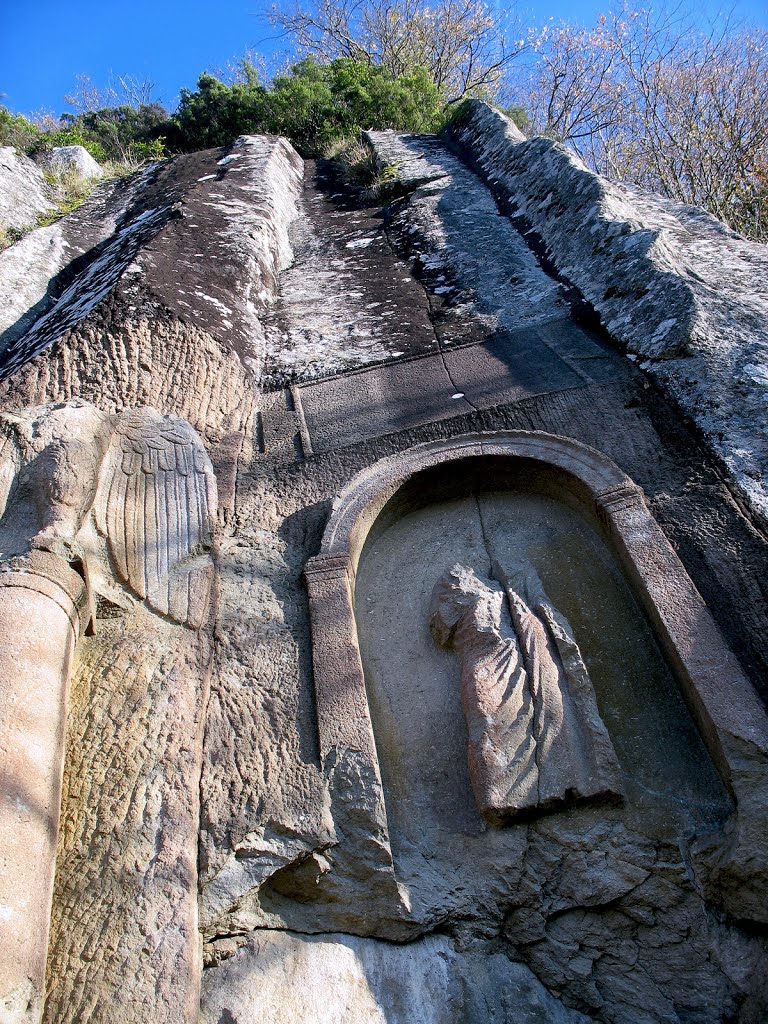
(535, 735)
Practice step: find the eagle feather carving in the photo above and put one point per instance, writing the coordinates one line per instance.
(155, 503)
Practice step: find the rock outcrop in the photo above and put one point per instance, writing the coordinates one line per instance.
(680, 292)
(252, 416)
(24, 193)
(75, 160)
(280, 977)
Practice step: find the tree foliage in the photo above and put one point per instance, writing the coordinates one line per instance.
(16, 130)
(463, 45)
(643, 96)
(314, 104)
(120, 124)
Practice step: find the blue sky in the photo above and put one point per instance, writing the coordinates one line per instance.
(45, 43)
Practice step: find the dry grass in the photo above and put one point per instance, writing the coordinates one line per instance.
(359, 167)
(10, 235)
(70, 192)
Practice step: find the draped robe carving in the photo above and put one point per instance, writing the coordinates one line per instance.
(536, 739)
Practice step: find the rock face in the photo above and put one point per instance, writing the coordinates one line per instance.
(118, 511)
(681, 292)
(24, 192)
(328, 979)
(251, 419)
(72, 160)
(535, 736)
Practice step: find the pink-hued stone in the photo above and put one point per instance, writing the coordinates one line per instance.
(39, 626)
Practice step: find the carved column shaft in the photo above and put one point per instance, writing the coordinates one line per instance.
(42, 610)
(347, 744)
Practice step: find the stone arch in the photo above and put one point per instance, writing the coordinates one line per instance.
(355, 510)
(721, 699)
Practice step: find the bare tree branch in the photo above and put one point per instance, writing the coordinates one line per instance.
(465, 45)
(655, 99)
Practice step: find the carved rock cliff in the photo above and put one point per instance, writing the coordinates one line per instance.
(675, 288)
(266, 812)
(24, 192)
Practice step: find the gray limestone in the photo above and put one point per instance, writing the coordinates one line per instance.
(280, 978)
(72, 160)
(326, 856)
(24, 193)
(29, 270)
(685, 296)
(346, 300)
(477, 264)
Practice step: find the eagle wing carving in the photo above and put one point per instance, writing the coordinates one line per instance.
(156, 504)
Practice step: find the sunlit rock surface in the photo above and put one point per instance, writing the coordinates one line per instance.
(685, 296)
(307, 333)
(75, 160)
(24, 193)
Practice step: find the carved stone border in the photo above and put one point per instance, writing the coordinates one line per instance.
(721, 698)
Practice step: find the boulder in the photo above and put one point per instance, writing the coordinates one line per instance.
(72, 160)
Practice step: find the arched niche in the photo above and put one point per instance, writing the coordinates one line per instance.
(585, 485)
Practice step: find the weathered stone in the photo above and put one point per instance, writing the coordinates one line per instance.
(177, 319)
(75, 160)
(535, 735)
(342, 979)
(124, 934)
(24, 193)
(131, 844)
(484, 278)
(670, 283)
(34, 270)
(329, 792)
(345, 302)
(42, 613)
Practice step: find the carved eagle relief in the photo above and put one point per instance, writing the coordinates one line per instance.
(156, 504)
(147, 478)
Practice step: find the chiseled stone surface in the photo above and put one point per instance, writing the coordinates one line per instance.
(39, 626)
(124, 934)
(534, 735)
(682, 292)
(278, 977)
(128, 500)
(484, 278)
(24, 192)
(165, 307)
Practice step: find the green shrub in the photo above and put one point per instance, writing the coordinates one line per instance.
(70, 134)
(8, 236)
(313, 105)
(123, 134)
(520, 117)
(17, 130)
(216, 113)
(126, 133)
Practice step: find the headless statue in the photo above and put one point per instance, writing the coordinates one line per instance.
(536, 739)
